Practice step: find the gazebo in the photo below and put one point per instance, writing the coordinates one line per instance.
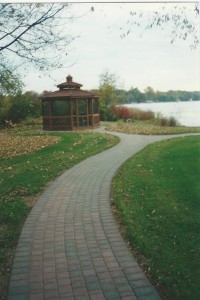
(70, 108)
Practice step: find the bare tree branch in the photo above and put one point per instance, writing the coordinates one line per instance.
(182, 20)
(33, 31)
(42, 19)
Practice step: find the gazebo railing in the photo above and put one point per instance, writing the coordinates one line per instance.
(68, 123)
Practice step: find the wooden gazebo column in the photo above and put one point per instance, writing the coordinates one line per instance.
(77, 114)
(50, 113)
(92, 115)
(71, 113)
(87, 111)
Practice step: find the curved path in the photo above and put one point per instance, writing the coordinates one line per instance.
(70, 246)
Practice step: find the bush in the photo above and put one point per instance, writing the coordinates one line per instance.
(19, 110)
(173, 122)
(125, 113)
(170, 121)
(15, 109)
(29, 121)
(163, 121)
(107, 115)
(120, 112)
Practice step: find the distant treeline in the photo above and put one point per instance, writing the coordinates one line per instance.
(20, 106)
(135, 95)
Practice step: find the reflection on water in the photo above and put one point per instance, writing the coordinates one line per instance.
(186, 113)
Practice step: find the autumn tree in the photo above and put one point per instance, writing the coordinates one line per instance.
(107, 87)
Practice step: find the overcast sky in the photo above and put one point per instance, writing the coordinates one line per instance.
(143, 58)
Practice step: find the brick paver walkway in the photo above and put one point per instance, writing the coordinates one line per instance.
(70, 246)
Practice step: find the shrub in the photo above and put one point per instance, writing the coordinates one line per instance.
(19, 110)
(16, 108)
(29, 121)
(124, 113)
(163, 121)
(107, 115)
(173, 122)
(170, 121)
(120, 112)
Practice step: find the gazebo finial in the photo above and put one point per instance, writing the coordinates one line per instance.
(69, 78)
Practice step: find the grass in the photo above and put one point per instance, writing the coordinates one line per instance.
(23, 174)
(157, 197)
(148, 127)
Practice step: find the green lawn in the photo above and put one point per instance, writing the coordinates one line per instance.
(157, 195)
(22, 177)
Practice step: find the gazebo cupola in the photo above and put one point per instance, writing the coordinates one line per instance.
(70, 108)
(69, 84)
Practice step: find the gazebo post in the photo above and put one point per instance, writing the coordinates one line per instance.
(87, 112)
(77, 114)
(50, 113)
(92, 113)
(71, 113)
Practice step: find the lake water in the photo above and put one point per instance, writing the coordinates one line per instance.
(186, 113)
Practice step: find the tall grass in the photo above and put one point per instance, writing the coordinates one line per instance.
(138, 114)
(170, 121)
(125, 113)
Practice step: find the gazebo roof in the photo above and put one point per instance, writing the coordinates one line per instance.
(69, 89)
(69, 93)
(69, 84)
